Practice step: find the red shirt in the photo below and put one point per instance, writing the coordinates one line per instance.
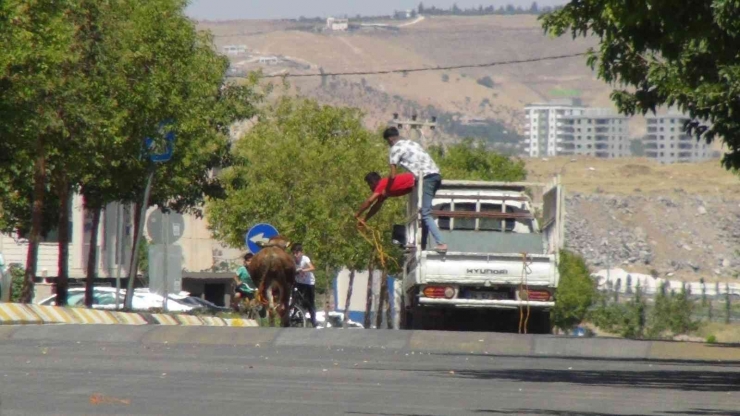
(402, 185)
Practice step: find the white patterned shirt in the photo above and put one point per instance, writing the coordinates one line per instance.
(412, 157)
(306, 278)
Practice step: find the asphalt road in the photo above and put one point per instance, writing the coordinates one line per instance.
(90, 378)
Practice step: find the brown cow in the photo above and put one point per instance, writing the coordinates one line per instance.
(273, 268)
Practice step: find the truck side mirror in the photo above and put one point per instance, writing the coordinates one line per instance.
(399, 235)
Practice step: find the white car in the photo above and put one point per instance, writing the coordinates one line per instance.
(335, 320)
(105, 298)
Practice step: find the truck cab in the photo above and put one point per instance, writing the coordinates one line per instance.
(500, 271)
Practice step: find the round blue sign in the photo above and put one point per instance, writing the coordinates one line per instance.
(260, 233)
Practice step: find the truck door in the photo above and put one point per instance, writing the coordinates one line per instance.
(553, 217)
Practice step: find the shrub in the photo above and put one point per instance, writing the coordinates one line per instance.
(16, 287)
(575, 294)
(445, 78)
(486, 82)
(711, 339)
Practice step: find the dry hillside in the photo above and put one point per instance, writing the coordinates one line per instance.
(435, 41)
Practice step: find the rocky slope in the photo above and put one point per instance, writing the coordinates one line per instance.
(686, 236)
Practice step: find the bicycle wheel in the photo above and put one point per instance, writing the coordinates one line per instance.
(297, 317)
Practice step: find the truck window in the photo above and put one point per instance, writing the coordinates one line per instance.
(443, 222)
(464, 223)
(492, 224)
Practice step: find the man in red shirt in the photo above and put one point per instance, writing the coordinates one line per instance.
(402, 185)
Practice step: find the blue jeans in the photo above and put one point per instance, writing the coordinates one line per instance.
(431, 186)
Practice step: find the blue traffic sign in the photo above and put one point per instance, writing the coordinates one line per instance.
(260, 233)
(169, 139)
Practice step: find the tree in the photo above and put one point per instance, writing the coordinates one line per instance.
(486, 81)
(421, 8)
(302, 168)
(576, 291)
(35, 63)
(470, 160)
(534, 8)
(637, 148)
(658, 57)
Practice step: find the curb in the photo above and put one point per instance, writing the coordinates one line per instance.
(27, 314)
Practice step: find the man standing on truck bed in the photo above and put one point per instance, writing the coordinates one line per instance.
(412, 157)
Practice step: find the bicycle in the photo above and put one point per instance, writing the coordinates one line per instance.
(297, 312)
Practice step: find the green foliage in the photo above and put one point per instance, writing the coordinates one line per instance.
(470, 160)
(143, 254)
(657, 57)
(712, 339)
(670, 315)
(16, 286)
(637, 148)
(575, 294)
(302, 168)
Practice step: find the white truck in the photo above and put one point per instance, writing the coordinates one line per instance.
(501, 268)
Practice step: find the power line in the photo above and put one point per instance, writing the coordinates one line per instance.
(437, 68)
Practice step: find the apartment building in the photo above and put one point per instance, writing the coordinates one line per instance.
(595, 132)
(565, 127)
(667, 142)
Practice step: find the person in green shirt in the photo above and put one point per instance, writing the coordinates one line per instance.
(245, 287)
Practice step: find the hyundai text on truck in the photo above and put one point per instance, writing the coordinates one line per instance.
(501, 267)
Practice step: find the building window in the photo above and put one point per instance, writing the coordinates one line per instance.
(662, 146)
(661, 154)
(588, 147)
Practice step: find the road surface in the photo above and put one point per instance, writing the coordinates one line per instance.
(41, 377)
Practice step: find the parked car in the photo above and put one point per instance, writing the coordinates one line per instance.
(335, 320)
(105, 298)
(198, 303)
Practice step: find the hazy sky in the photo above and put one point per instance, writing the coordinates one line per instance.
(275, 9)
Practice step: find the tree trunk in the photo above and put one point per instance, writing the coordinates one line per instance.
(37, 217)
(63, 228)
(369, 301)
(134, 261)
(383, 299)
(92, 258)
(349, 297)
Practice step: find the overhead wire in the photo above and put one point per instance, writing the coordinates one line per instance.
(425, 69)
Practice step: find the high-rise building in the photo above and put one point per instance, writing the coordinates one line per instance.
(595, 132)
(667, 141)
(565, 127)
(540, 125)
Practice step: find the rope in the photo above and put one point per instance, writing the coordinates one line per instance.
(375, 240)
(524, 286)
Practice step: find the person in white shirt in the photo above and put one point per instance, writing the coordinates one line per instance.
(412, 157)
(305, 280)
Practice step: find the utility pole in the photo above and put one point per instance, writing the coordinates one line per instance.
(412, 128)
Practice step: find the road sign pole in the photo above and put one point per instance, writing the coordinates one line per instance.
(135, 251)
